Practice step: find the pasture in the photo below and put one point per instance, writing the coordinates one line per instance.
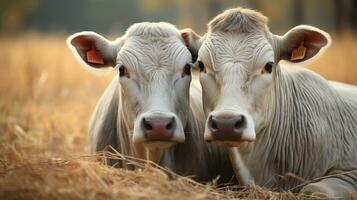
(46, 99)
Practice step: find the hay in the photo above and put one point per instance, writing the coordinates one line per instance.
(86, 178)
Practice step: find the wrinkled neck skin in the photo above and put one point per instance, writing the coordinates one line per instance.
(264, 157)
(307, 132)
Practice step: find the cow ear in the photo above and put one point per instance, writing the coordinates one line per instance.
(192, 40)
(302, 43)
(93, 49)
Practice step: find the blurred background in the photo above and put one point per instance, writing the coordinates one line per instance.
(46, 97)
(114, 16)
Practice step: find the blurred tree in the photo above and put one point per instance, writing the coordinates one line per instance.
(95, 15)
(116, 15)
(214, 7)
(298, 12)
(339, 10)
(192, 13)
(13, 13)
(353, 15)
(153, 6)
(183, 9)
(345, 15)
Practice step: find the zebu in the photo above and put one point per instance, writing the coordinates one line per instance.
(146, 111)
(290, 125)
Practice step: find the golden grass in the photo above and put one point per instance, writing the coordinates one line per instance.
(46, 100)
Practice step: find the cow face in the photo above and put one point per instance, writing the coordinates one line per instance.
(154, 73)
(238, 73)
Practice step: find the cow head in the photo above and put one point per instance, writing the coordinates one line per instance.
(238, 59)
(154, 70)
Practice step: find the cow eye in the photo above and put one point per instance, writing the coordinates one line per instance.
(123, 71)
(269, 67)
(187, 69)
(201, 66)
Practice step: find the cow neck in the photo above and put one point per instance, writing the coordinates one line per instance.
(125, 144)
(301, 106)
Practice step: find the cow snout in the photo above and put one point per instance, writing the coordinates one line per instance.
(227, 127)
(158, 128)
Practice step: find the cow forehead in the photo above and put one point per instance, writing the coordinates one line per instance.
(153, 61)
(248, 50)
(153, 53)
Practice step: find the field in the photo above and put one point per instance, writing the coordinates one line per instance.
(46, 99)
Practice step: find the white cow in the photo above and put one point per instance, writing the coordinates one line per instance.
(289, 124)
(147, 111)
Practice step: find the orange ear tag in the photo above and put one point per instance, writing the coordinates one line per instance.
(94, 57)
(298, 53)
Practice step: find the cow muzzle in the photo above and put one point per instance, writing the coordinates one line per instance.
(158, 130)
(229, 128)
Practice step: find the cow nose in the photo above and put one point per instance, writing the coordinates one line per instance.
(227, 127)
(158, 128)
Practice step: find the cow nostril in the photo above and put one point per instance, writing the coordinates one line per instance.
(170, 125)
(213, 124)
(147, 125)
(240, 122)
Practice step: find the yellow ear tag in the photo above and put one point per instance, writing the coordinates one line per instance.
(298, 53)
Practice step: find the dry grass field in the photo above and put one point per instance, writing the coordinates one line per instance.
(46, 99)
